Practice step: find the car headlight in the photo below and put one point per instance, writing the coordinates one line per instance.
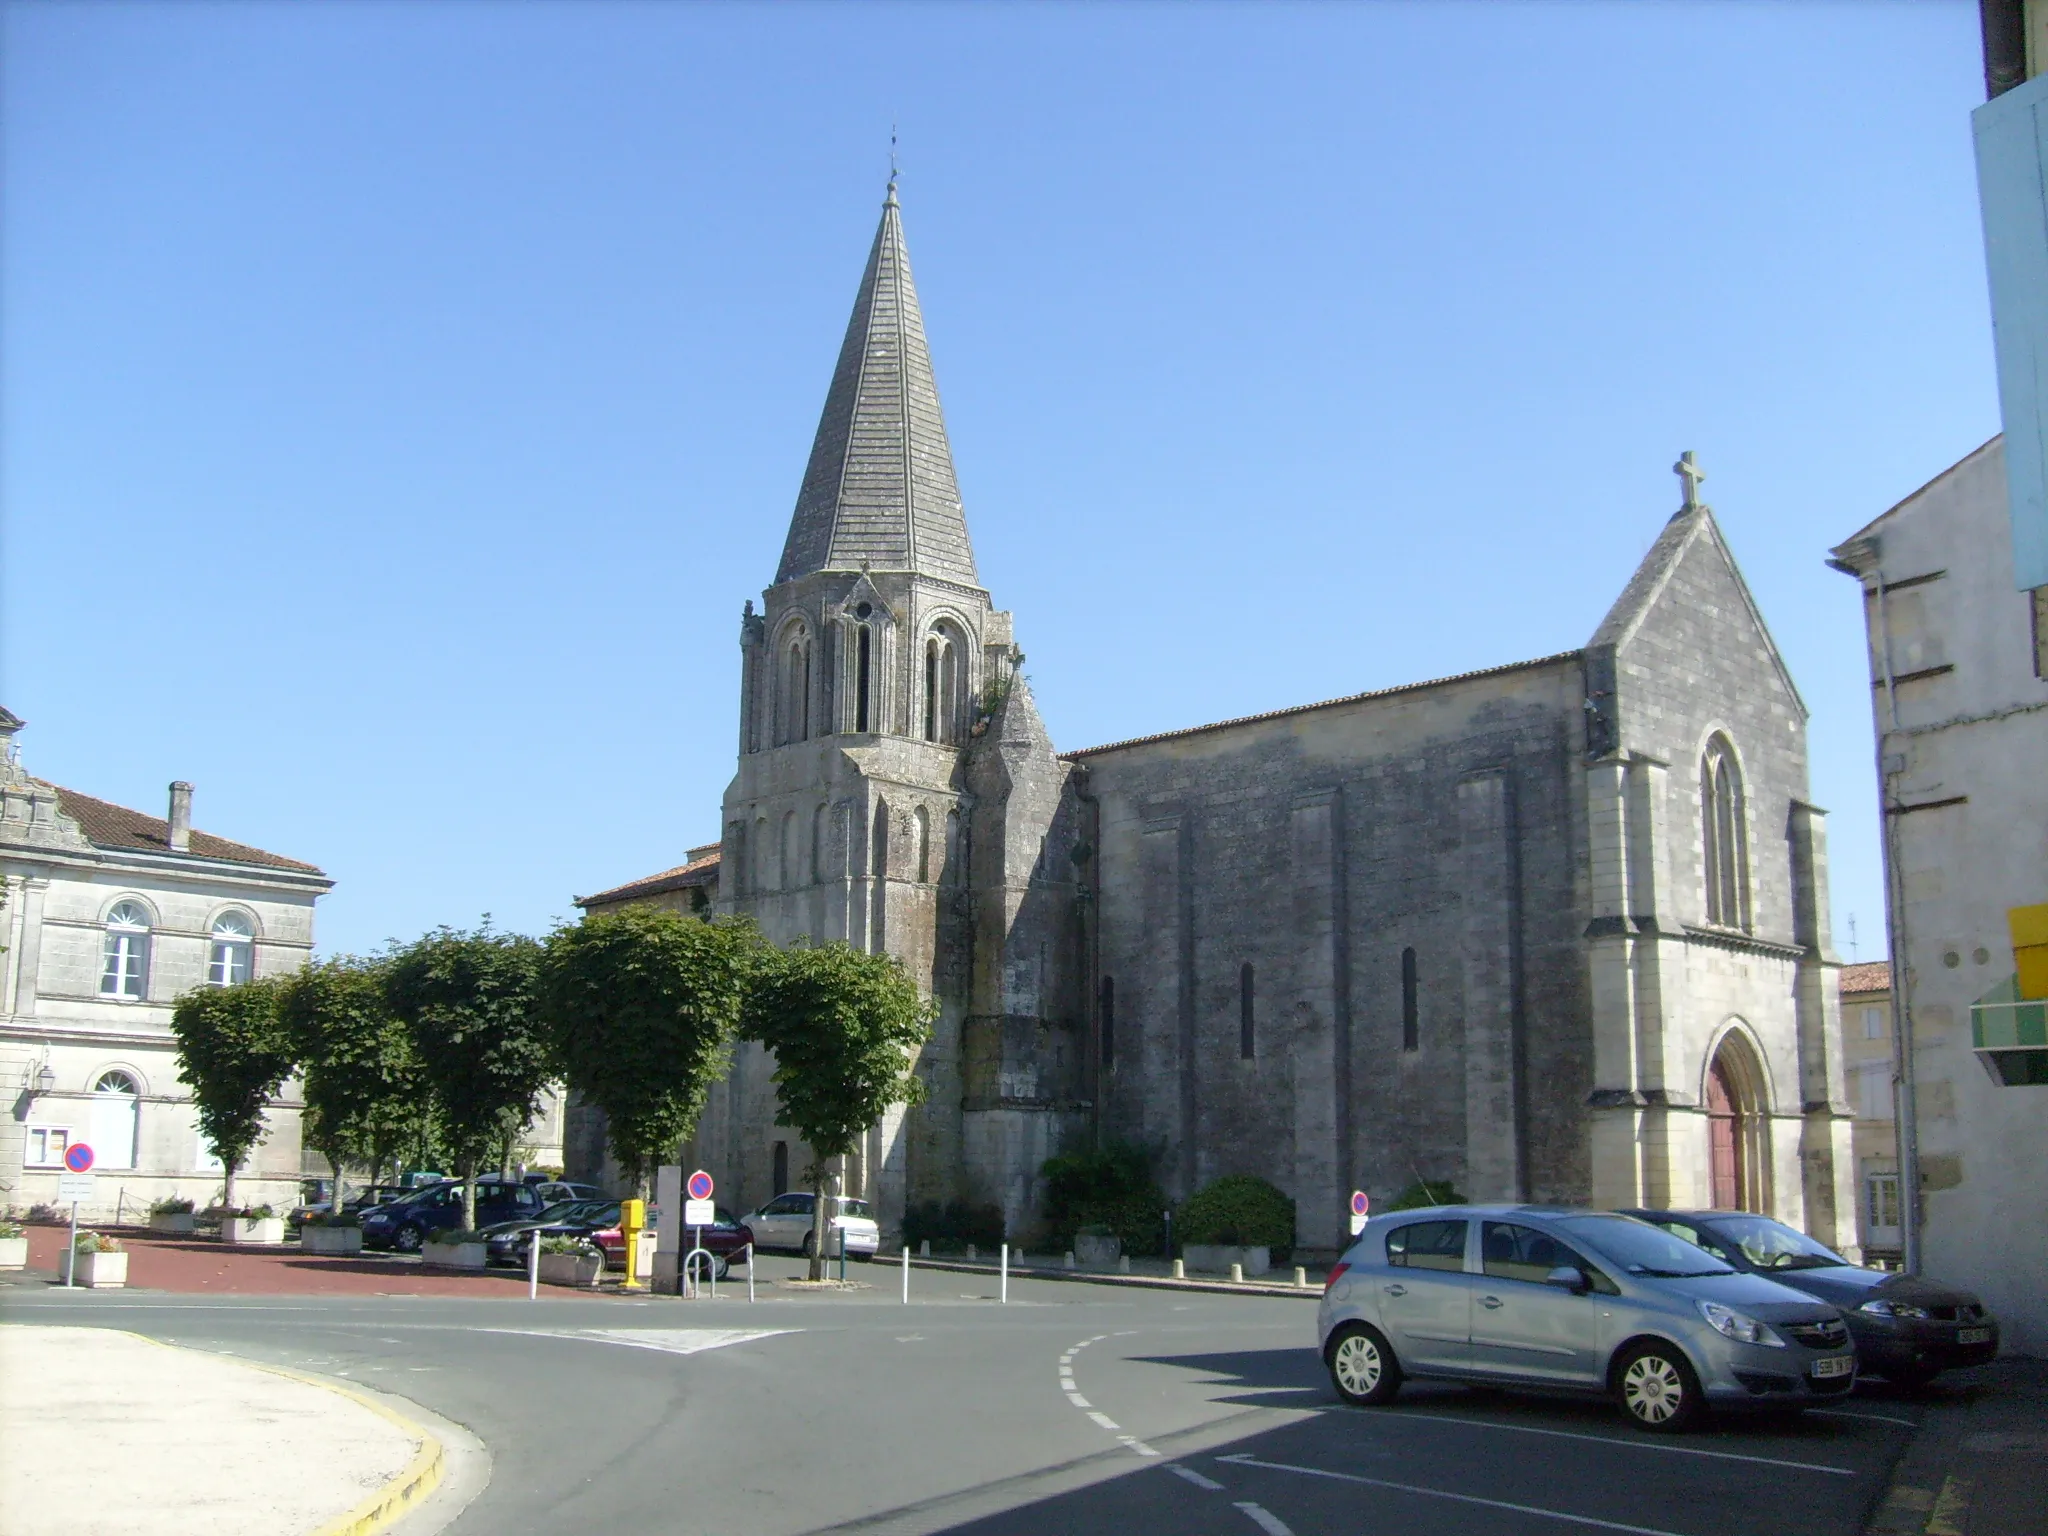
(1883, 1308)
(1739, 1326)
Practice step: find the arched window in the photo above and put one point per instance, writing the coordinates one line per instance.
(1725, 836)
(124, 972)
(1108, 994)
(923, 818)
(952, 859)
(795, 688)
(1246, 1043)
(879, 869)
(792, 853)
(232, 957)
(764, 856)
(931, 689)
(1411, 1020)
(945, 682)
(116, 1099)
(863, 667)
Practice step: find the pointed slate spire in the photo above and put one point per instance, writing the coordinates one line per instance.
(880, 488)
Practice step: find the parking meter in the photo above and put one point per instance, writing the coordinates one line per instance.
(632, 1221)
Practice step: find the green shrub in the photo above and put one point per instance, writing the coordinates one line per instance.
(174, 1206)
(455, 1235)
(1424, 1193)
(573, 1246)
(1109, 1192)
(97, 1242)
(952, 1226)
(1239, 1211)
(12, 1229)
(246, 1213)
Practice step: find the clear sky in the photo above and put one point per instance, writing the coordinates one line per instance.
(401, 400)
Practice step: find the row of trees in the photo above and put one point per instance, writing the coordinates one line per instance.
(454, 1037)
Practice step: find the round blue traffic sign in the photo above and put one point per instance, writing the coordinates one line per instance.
(1359, 1204)
(78, 1157)
(700, 1185)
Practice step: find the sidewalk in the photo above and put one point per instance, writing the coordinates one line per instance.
(1156, 1274)
(1979, 1464)
(105, 1433)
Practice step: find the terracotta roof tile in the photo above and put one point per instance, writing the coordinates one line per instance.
(106, 825)
(1869, 976)
(699, 871)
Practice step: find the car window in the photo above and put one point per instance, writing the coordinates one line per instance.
(1638, 1248)
(1428, 1245)
(1512, 1252)
(856, 1208)
(1769, 1244)
(1698, 1238)
(604, 1215)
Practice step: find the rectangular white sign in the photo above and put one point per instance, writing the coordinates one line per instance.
(74, 1188)
(699, 1213)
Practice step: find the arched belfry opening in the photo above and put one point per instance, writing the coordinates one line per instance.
(1738, 1133)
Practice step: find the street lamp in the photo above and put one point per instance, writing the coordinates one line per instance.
(45, 1079)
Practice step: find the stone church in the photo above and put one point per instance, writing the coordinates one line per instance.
(1556, 930)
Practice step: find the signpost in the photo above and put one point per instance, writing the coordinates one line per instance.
(698, 1213)
(75, 1184)
(1361, 1207)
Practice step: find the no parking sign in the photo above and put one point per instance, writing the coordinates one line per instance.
(1361, 1207)
(698, 1210)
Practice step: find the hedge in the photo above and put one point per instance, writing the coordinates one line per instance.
(1239, 1211)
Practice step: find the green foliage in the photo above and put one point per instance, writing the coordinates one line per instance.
(1110, 1190)
(574, 1246)
(641, 1005)
(468, 1001)
(174, 1206)
(97, 1242)
(453, 1236)
(843, 1026)
(951, 1227)
(233, 1052)
(247, 1213)
(1239, 1211)
(1424, 1193)
(12, 1229)
(365, 1093)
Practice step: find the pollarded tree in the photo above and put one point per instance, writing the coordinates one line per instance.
(469, 1003)
(233, 1053)
(364, 1090)
(844, 1027)
(641, 1005)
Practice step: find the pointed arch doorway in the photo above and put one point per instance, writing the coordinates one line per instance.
(1736, 1154)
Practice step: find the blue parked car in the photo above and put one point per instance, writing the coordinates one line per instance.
(407, 1223)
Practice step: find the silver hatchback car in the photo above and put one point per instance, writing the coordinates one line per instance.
(1582, 1301)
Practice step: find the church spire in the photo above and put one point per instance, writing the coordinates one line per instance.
(880, 489)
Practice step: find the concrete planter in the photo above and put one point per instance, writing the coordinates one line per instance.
(1216, 1259)
(13, 1252)
(173, 1223)
(1097, 1252)
(264, 1232)
(336, 1240)
(570, 1269)
(456, 1255)
(100, 1271)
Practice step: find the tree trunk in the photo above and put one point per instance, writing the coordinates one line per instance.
(333, 1156)
(469, 1194)
(227, 1184)
(819, 1226)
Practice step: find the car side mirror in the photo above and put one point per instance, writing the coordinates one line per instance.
(1568, 1277)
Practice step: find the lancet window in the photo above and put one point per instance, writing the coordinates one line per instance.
(1725, 836)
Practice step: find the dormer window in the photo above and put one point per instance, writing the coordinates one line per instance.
(231, 956)
(124, 971)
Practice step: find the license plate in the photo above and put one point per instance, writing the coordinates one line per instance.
(1973, 1335)
(1839, 1367)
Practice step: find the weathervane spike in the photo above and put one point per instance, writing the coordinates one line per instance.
(894, 169)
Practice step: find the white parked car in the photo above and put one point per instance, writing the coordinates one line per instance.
(785, 1222)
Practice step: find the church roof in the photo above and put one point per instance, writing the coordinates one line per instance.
(701, 869)
(880, 488)
(111, 826)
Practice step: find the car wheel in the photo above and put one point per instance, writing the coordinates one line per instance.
(720, 1267)
(1362, 1366)
(407, 1239)
(861, 1258)
(1657, 1388)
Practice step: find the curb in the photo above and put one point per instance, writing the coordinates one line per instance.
(400, 1494)
(1098, 1277)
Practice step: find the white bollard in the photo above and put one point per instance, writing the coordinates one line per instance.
(906, 1274)
(1237, 1274)
(1300, 1278)
(750, 1272)
(1180, 1269)
(1123, 1264)
(1069, 1260)
(1006, 1275)
(924, 1249)
(533, 1267)
(973, 1252)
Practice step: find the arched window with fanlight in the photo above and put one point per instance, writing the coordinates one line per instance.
(232, 954)
(124, 967)
(116, 1106)
(1725, 836)
(794, 688)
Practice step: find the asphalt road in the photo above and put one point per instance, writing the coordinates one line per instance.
(1098, 1410)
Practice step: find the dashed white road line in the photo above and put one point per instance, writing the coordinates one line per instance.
(1875, 1418)
(1637, 1444)
(1103, 1419)
(1266, 1520)
(1194, 1477)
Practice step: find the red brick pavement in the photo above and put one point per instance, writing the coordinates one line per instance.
(202, 1265)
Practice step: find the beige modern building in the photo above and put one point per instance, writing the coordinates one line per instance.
(1867, 1066)
(110, 915)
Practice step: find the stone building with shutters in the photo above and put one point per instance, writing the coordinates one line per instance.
(1555, 930)
(110, 915)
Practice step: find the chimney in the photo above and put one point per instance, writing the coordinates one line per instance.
(181, 816)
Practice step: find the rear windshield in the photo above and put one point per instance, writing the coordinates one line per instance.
(1771, 1244)
(1641, 1249)
(856, 1208)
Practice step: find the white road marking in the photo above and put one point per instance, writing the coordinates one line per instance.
(1104, 1419)
(673, 1341)
(1438, 1493)
(1078, 1400)
(1194, 1477)
(1621, 1444)
(1266, 1520)
(1137, 1445)
(1875, 1418)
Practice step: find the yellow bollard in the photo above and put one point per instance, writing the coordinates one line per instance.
(632, 1219)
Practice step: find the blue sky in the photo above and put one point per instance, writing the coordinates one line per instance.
(400, 401)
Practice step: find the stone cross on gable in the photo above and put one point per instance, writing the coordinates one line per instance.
(1689, 475)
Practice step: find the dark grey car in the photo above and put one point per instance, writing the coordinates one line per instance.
(1579, 1301)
